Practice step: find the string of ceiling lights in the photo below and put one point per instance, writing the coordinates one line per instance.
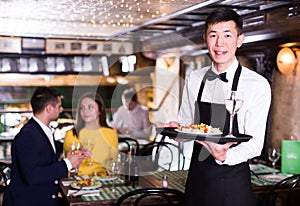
(92, 15)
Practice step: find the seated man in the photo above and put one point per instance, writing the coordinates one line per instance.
(132, 119)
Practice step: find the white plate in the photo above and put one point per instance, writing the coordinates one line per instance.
(273, 177)
(97, 185)
(104, 178)
(198, 133)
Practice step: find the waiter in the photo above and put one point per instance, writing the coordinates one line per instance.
(219, 174)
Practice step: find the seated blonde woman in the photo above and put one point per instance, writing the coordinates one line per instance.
(91, 123)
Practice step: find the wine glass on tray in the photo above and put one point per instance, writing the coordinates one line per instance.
(233, 102)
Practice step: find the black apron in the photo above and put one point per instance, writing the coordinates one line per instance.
(208, 183)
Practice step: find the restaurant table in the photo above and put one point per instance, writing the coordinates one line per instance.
(176, 180)
(104, 197)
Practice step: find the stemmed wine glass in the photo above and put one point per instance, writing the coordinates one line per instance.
(274, 154)
(233, 102)
(89, 144)
(114, 168)
(75, 148)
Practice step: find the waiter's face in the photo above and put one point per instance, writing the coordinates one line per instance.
(222, 40)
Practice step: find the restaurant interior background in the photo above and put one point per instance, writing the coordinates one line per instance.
(103, 45)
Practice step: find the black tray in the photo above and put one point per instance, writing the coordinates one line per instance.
(170, 132)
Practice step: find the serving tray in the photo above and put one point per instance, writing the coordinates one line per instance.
(172, 133)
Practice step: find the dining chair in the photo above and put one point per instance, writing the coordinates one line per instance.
(129, 142)
(152, 196)
(5, 170)
(172, 155)
(283, 190)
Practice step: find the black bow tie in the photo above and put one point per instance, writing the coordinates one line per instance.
(211, 76)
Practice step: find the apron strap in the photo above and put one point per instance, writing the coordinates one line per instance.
(233, 87)
(236, 78)
(201, 88)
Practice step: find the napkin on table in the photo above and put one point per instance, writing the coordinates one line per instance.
(76, 193)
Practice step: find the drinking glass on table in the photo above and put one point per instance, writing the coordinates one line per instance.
(114, 168)
(89, 144)
(233, 102)
(274, 154)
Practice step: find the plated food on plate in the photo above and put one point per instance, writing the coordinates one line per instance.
(86, 184)
(104, 177)
(199, 129)
(201, 132)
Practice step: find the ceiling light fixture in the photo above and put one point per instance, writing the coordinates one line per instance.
(286, 60)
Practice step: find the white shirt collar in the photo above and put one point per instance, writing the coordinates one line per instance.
(48, 131)
(44, 127)
(230, 71)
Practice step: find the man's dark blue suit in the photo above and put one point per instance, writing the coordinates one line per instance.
(36, 170)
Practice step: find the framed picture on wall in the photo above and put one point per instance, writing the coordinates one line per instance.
(76, 46)
(57, 46)
(10, 44)
(92, 47)
(63, 46)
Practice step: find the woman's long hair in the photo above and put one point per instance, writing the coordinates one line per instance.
(101, 107)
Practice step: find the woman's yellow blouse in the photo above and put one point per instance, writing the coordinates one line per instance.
(106, 146)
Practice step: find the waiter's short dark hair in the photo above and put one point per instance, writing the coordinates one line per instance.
(42, 97)
(223, 14)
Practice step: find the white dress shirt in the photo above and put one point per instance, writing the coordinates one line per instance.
(48, 131)
(252, 117)
(136, 120)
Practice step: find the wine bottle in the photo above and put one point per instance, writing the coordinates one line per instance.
(131, 169)
(128, 169)
(135, 170)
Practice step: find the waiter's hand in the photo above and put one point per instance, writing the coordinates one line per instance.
(175, 124)
(218, 151)
(172, 124)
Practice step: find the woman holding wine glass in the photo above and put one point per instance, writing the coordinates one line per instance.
(219, 174)
(94, 135)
